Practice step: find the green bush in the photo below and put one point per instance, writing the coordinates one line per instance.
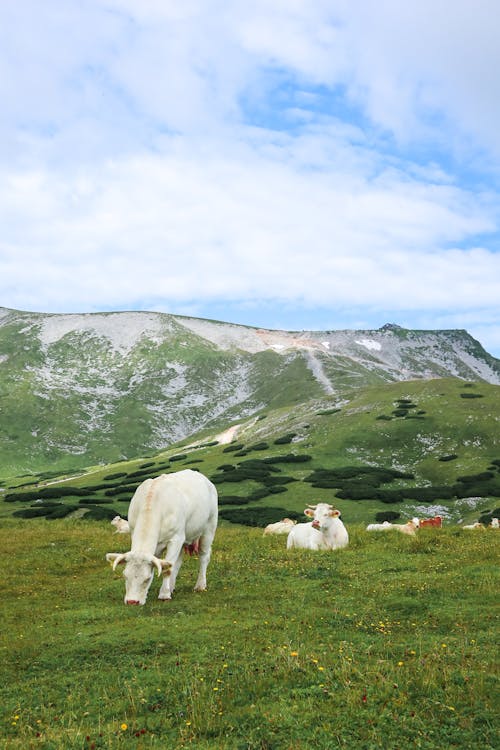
(387, 515)
(285, 439)
(258, 516)
(233, 447)
(451, 457)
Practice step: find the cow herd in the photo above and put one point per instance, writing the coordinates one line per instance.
(176, 512)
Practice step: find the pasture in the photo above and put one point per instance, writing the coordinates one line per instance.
(390, 643)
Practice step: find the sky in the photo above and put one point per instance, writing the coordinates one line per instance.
(289, 164)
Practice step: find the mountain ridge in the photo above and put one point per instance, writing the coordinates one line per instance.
(82, 388)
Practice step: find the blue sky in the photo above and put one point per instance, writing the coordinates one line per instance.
(296, 164)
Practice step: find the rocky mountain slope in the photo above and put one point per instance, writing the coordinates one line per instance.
(96, 388)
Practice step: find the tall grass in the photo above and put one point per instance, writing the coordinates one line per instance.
(387, 644)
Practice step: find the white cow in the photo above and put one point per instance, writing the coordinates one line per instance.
(325, 531)
(166, 513)
(121, 525)
(476, 525)
(410, 527)
(406, 528)
(385, 526)
(495, 523)
(280, 527)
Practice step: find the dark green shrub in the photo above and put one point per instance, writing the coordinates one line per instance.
(325, 412)
(95, 501)
(120, 490)
(471, 395)
(400, 412)
(451, 457)
(233, 447)
(32, 512)
(384, 417)
(262, 446)
(99, 514)
(258, 516)
(285, 439)
(270, 481)
(234, 500)
(387, 515)
(179, 457)
(145, 465)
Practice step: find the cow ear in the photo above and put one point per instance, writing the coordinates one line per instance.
(335, 513)
(309, 512)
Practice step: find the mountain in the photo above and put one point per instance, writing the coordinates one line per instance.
(83, 389)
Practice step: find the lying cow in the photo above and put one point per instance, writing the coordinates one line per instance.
(410, 527)
(476, 525)
(121, 525)
(325, 531)
(385, 526)
(165, 514)
(436, 522)
(280, 527)
(406, 528)
(495, 523)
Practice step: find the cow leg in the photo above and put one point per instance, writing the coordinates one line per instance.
(204, 554)
(174, 552)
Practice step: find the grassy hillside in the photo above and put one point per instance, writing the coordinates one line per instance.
(77, 390)
(436, 441)
(387, 644)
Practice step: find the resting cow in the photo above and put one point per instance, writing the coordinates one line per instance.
(476, 525)
(165, 514)
(436, 522)
(325, 531)
(280, 527)
(121, 525)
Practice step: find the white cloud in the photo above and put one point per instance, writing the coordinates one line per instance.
(301, 152)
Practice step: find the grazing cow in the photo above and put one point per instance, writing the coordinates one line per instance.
(476, 525)
(280, 527)
(325, 531)
(165, 514)
(121, 524)
(435, 522)
(495, 524)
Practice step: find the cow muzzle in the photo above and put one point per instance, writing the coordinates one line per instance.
(132, 601)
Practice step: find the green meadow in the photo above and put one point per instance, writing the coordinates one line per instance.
(391, 643)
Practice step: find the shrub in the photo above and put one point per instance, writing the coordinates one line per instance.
(387, 515)
(451, 457)
(258, 516)
(233, 447)
(385, 417)
(179, 457)
(262, 446)
(285, 439)
(471, 395)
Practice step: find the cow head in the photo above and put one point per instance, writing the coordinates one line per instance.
(322, 514)
(138, 573)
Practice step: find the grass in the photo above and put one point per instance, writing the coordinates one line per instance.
(389, 644)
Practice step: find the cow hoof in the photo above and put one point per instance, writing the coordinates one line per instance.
(198, 588)
(165, 598)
